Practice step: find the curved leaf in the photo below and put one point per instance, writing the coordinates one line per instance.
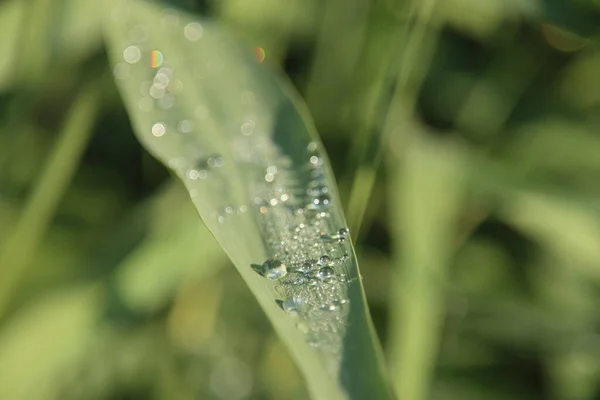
(231, 131)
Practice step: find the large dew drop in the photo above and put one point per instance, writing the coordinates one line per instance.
(271, 269)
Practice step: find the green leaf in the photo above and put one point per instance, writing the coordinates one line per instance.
(235, 134)
(427, 194)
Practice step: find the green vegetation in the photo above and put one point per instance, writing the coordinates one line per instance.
(463, 136)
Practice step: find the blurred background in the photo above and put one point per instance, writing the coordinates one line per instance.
(110, 287)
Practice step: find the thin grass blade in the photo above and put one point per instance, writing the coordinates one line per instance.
(237, 137)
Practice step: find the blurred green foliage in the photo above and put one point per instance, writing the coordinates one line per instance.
(112, 289)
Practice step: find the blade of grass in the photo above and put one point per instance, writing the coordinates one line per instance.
(427, 190)
(420, 42)
(238, 138)
(47, 192)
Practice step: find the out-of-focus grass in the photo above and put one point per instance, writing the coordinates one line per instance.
(113, 306)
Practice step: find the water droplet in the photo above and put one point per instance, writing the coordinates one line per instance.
(159, 129)
(247, 127)
(324, 260)
(312, 146)
(215, 162)
(325, 273)
(317, 190)
(319, 203)
(307, 266)
(329, 307)
(156, 92)
(315, 161)
(132, 54)
(193, 31)
(271, 269)
(167, 101)
(340, 236)
(195, 174)
(185, 126)
(293, 305)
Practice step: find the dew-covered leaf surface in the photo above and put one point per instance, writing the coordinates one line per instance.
(227, 125)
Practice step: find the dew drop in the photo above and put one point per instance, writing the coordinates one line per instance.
(132, 54)
(324, 260)
(185, 126)
(319, 203)
(271, 269)
(325, 273)
(293, 305)
(159, 129)
(193, 31)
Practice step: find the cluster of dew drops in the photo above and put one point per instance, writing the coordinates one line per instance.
(309, 259)
(309, 263)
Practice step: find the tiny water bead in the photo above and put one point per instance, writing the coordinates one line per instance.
(159, 129)
(319, 203)
(132, 54)
(271, 269)
(193, 31)
(324, 260)
(185, 126)
(340, 236)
